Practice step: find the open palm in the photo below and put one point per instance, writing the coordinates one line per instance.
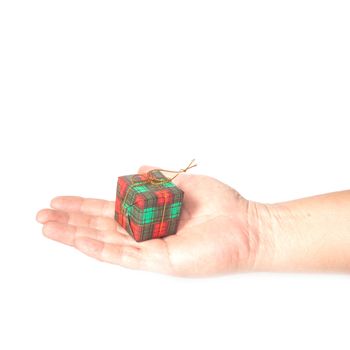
(213, 236)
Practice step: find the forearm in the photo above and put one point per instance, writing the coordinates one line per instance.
(309, 234)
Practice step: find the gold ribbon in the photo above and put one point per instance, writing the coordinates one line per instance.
(151, 179)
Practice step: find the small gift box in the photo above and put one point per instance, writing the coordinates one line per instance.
(148, 205)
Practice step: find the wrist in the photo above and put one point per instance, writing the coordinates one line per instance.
(308, 234)
(291, 239)
(281, 246)
(262, 225)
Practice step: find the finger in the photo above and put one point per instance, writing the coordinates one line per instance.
(149, 255)
(124, 255)
(89, 206)
(77, 219)
(67, 234)
(45, 215)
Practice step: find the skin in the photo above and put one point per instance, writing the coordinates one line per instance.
(220, 232)
(308, 234)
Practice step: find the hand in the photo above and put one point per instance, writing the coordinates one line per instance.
(215, 235)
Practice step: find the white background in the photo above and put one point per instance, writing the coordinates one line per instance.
(257, 91)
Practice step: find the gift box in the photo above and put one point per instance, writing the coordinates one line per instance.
(148, 205)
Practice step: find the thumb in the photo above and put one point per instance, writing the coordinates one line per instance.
(146, 168)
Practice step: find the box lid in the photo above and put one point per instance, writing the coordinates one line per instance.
(137, 188)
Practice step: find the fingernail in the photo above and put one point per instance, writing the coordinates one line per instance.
(49, 230)
(39, 217)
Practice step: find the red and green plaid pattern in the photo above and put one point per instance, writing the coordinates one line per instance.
(146, 204)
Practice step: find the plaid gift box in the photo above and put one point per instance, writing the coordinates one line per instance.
(148, 207)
